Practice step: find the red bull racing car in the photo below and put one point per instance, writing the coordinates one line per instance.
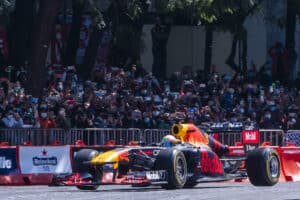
(183, 159)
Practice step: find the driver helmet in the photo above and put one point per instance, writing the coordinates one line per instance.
(169, 140)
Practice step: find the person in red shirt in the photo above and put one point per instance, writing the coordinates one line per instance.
(47, 120)
(51, 120)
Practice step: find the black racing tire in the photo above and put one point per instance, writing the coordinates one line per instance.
(79, 166)
(263, 166)
(174, 162)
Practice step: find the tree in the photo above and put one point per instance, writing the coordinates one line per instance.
(235, 24)
(228, 15)
(127, 21)
(30, 25)
(98, 24)
(6, 8)
(43, 29)
(293, 9)
(192, 13)
(20, 29)
(78, 7)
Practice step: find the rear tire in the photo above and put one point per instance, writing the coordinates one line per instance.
(263, 167)
(79, 166)
(174, 162)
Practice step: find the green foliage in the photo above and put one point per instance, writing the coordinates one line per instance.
(222, 14)
(136, 9)
(96, 15)
(6, 6)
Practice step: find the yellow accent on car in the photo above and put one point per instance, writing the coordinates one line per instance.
(179, 131)
(111, 156)
(189, 133)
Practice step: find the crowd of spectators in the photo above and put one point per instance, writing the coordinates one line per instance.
(132, 97)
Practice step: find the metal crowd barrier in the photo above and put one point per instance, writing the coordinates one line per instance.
(228, 137)
(274, 136)
(40, 136)
(151, 136)
(121, 136)
(155, 135)
(65, 137)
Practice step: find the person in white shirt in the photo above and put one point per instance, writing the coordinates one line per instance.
(12, 120)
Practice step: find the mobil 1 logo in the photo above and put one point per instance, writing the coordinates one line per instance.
(251, 139)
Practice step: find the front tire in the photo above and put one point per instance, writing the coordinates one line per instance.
(174, 162)
(79, 166)
(263, 167)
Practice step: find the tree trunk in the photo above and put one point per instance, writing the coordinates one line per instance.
(240, 35)
(208, 49)
(230, 60)
(160, 37)
(19, 33)
(292, 10)
(290, 23)
(73, 39)
(244, 52)
(44, 28)
(90, 55)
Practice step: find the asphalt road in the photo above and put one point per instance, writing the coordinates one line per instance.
(207, 191)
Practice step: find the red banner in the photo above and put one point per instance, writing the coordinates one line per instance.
(250, 137)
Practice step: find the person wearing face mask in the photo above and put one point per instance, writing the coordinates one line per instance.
(267, 121)
(12, 120)
(43, 119)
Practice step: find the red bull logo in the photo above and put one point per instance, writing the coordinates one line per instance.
(210, 164)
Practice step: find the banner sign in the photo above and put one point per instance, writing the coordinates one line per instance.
(45, 159)
(250, 139)
(292, 136)
(8, 161)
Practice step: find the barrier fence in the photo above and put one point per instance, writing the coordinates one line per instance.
(227, 137)
(25, 165)
(274, 136)
(120, 136)
(65, 137)
(95, 136)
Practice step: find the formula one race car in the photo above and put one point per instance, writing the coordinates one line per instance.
(183, 159)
